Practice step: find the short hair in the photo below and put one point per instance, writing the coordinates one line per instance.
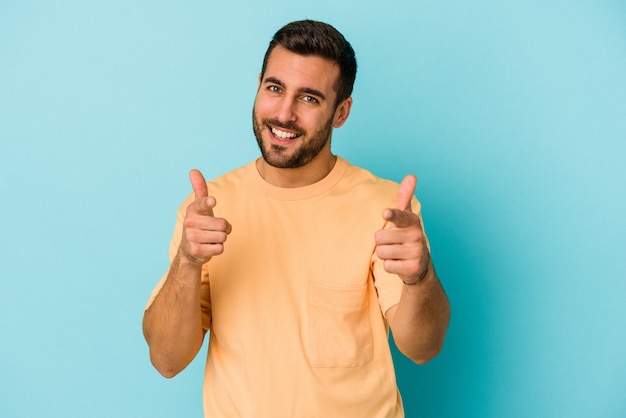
(309, 37)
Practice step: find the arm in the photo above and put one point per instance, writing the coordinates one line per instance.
(420, 320)
(172, 325)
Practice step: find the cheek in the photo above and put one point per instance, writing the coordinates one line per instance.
(260, 107)
(313, 120)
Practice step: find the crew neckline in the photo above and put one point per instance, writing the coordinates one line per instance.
(298, 193)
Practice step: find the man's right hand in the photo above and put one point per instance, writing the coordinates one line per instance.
(203, 234)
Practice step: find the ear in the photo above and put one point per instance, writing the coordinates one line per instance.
(260, 79)
(342, 112)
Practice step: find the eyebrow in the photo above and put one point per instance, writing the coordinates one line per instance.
(307, 90)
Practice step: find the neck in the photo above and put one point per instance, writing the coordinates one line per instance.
(306, 175)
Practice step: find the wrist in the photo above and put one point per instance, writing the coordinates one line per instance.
(185, 259)
(419, 279)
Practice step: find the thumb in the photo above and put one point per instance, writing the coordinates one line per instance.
(406, 192)
(198, 183)
(204, 205)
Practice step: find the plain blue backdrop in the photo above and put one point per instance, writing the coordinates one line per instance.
(512, 115)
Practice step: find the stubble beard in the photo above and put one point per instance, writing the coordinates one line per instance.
(276, 155)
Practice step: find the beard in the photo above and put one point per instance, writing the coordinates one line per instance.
(277, 156)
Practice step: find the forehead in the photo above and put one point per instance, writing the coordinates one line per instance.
(298, 71)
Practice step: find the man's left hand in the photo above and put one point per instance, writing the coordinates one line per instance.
(402, 247)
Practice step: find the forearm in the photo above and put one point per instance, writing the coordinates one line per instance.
(173, 323)
(420, 321)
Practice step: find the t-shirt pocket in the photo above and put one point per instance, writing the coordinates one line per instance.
(340, 328)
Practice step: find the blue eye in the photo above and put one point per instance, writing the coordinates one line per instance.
(310, 99)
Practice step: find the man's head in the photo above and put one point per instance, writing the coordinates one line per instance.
(311, 38)
(304, 92)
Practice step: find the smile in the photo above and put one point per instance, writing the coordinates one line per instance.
(279, 133)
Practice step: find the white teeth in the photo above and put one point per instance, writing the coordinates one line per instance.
(283, 134)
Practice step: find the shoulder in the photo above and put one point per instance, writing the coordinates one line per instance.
(360, 182)
(224, 186)
(231, 180)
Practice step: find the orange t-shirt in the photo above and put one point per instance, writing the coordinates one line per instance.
(295, 303)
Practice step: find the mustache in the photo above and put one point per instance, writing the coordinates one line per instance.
(290, 126)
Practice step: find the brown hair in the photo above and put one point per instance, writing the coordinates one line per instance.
(308, 37)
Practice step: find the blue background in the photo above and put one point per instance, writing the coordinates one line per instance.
(512, 115)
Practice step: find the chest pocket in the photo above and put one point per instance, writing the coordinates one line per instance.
(340, 332)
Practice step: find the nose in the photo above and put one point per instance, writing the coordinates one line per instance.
(285, 110)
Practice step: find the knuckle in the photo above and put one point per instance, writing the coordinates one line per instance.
(218, 249)
(190, 235)
(414, 253)
(415, 235)
(192, 208)
(218, 237)
(413, 266)
(221, 224)
(194, 249)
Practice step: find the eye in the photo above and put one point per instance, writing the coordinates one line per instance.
(310, 99)
(274, 88)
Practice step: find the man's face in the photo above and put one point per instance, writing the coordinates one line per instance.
(294, 110)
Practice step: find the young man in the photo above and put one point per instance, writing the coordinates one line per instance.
(297, 263)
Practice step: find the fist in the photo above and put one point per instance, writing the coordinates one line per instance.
(402, 247)
(203, 234)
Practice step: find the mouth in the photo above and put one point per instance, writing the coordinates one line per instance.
(283, 135)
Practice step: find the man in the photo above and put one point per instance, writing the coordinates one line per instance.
(297, 262)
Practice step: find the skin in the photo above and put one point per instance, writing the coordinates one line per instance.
(173, 324)
(420, 320)
(296, 96)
